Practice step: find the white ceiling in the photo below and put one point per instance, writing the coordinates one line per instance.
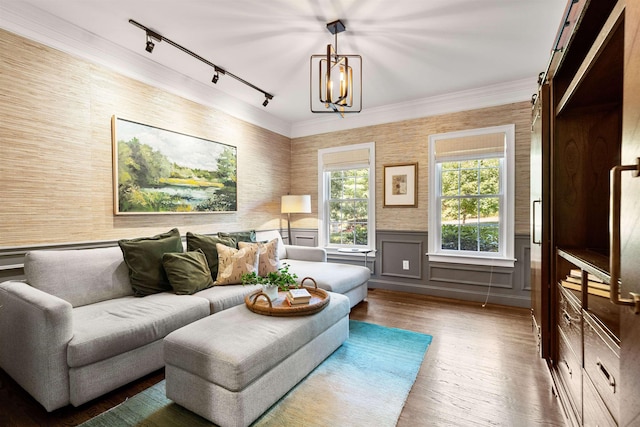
(416, 53)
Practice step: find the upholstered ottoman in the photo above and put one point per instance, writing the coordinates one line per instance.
(230, 367)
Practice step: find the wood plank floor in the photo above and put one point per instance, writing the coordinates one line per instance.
(480, 370)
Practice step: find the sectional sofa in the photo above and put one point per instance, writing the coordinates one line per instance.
(84, 322)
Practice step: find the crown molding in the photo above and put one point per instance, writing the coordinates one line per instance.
(488, 96)
(35, 24)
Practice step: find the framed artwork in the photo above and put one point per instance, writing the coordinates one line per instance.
(158, 171)
(401, 185)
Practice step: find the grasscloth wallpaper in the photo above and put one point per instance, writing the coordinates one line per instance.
(56, 155)
(408, 142)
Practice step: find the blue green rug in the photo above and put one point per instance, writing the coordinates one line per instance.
(365, 382)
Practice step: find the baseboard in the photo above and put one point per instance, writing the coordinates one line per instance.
(465, 295)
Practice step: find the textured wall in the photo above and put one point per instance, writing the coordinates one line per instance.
(405, 142)
(56, 162)
(56, 156)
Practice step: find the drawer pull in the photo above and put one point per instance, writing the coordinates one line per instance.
(568, 368)
(605, 373)
(566, 317)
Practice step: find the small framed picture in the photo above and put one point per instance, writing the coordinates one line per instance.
(401, 185)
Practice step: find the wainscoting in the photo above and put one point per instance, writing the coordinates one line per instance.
(399, 264)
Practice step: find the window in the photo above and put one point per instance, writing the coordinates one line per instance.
(346, 187)
(471, 196)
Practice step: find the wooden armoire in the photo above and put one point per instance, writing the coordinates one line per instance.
(585, 213)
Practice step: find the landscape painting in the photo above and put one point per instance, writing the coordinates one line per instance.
(160, 171)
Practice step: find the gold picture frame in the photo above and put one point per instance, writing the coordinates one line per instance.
(401, 185)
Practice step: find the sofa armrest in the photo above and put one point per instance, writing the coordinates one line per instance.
(306, 253)
(35, 328)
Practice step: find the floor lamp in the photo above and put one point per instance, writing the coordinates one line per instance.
(294, 204)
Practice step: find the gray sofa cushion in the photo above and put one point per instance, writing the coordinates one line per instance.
(109, 328)
(81, 277)
(223, 297)
(335, 277)
(212, 349)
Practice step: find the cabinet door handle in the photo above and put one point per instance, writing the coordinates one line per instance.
(566, 317)
(533, 231)
(568, 368)
(607, 376)
(614, 235)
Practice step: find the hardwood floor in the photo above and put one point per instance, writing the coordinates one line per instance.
(480, 370)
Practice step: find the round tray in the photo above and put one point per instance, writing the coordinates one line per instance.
(258, 302)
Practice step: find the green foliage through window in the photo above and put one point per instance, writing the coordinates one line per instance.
(348, 206)
(470, 205)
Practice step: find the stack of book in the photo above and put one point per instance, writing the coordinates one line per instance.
(298, 296)
(595, 285)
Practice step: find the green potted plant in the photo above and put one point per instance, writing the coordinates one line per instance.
(274, 281)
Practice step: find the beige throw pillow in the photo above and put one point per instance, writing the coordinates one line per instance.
(233, 263)
(269, 260)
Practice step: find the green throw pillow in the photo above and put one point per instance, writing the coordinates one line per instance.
(188, 272)
(208, 245)
(240, 236)
(143, 256)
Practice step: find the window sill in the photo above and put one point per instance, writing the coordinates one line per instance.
(475, 260)
(349, 253)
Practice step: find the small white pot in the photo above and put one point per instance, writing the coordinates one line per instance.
(271, 291)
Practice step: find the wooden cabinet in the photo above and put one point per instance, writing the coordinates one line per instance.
(585, 123)
(588, 324)
(540, 244)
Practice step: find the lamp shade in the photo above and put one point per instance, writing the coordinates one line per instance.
(296, 204)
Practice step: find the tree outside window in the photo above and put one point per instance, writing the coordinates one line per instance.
(348, 207)
(470, 205)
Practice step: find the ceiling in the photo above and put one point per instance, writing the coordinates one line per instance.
(415, 52)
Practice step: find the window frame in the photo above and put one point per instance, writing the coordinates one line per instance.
(505, 256)
(324, 177)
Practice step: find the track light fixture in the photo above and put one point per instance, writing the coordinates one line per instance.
(337, 79)
(152, 35)
(150, 45)
(218, 71)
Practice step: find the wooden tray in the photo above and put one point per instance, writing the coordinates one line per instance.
(258, 302)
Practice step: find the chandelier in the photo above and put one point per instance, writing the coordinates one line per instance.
(335, 79)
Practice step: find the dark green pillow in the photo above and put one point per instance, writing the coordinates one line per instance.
(188, 272)
(240, 236)
(143, 256)
(208, 245)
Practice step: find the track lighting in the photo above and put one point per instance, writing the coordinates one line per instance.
(152, 35)
(218, 71)
(150, 45)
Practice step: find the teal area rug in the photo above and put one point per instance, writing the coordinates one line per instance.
(365, 382)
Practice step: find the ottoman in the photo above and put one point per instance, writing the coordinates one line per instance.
(230, 367)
